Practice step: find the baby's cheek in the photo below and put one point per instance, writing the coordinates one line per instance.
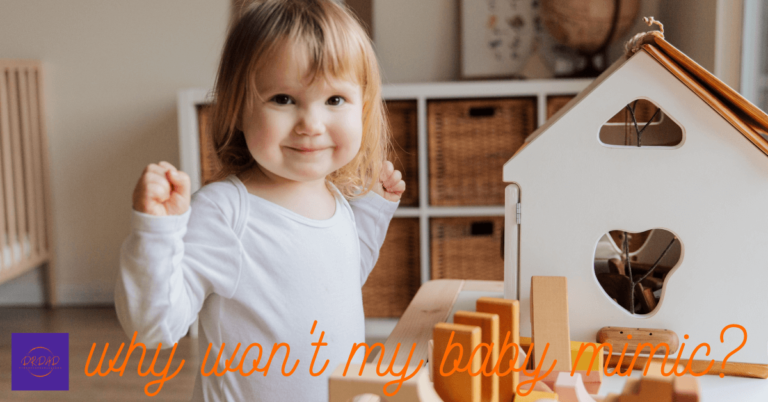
(351, 148)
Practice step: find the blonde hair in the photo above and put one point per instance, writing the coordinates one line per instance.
(337, 46)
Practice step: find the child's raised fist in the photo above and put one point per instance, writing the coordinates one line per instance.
(391, 185)
(162, 190)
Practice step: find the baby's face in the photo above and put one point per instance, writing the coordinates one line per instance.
(300, 132)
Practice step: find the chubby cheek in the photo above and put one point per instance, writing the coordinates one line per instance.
(349, 140)
(264, 148)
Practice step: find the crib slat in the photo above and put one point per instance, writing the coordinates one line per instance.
(50, 269)
(18, 181)
(38, 244)
(10, 208)
(4, 129)
(26, 147)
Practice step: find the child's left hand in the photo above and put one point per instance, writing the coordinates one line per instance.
(391, 185)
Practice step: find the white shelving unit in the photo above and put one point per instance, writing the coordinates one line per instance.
(380, 328)
(422, 93)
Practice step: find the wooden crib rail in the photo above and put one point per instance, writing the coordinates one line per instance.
(25, 213)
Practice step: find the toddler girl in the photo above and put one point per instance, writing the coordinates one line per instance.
(290, 231)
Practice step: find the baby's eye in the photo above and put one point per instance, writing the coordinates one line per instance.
(281, 99)
(336, 100)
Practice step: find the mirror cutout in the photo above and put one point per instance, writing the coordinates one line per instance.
(641, 123)
(651, 256)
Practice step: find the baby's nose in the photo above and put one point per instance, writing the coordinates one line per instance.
(310, 123)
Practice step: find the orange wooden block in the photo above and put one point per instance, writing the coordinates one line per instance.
(509, 323)
(549, 321)
(535, 396)
(489, 330)
(647, 389)
(686, 389)
(458, 341)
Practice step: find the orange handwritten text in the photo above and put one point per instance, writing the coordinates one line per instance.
(163, 374)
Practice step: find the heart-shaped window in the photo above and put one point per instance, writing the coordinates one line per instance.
(632, 267)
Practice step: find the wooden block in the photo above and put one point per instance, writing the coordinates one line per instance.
(430, 359)
(535, 396)
(489, 329)
(509, 323)
(585, 362)
(617, 337)
(459, 386)
(582, 364)
(549, 321)
(686, 389)
(571, 389)
(431, 305)
(647, 389)
(551, 380)
(343, 388)
(607, 398)
(593, 380)
(539, 386)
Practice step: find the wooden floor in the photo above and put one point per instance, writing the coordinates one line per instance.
(85, 327)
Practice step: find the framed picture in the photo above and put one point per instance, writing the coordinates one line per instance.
(497, 37)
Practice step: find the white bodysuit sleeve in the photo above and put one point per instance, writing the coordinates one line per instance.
(372, 216)
(170, 264)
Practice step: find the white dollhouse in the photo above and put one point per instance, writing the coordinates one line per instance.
(706, 184)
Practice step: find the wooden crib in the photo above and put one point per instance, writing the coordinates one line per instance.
(25, 207)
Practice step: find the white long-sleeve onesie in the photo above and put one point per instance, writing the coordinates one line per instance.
(254, 272)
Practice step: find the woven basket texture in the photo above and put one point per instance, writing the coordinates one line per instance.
(555, 103)
(209, 162)
(396, 277)
(467, 248)
(403, 123)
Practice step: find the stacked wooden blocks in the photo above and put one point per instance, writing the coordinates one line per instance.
(457, 379)
(471, 360)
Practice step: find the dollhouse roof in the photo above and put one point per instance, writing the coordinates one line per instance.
(747, 118)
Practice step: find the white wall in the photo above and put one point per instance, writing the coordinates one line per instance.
(112, 69)
(418, 40)
(690, 26)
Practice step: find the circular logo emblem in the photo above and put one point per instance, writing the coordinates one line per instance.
(40, 361)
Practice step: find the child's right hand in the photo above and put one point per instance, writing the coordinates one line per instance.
(162, 190)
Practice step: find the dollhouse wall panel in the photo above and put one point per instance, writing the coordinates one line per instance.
(710, 191)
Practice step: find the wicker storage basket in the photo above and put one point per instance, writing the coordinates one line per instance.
(209, 162)
(469, 142)
(402, 121)
(467, 248)
(555, 103)
(396, 277)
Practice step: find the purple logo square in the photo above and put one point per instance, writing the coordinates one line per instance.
(40, 362)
